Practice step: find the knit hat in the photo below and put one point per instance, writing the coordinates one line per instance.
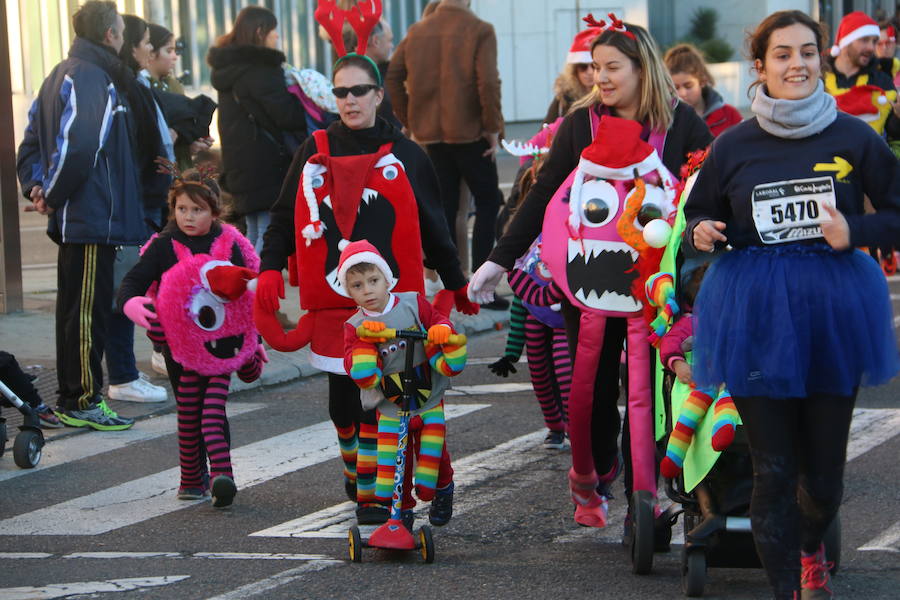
(362, 251)
(618, 150)
(854, 26)
(580, 52)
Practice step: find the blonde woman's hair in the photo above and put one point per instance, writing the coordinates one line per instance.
(657, 95)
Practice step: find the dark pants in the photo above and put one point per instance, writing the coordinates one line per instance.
(83, 305)
(343, 403)
(798, 447)
(453, 162)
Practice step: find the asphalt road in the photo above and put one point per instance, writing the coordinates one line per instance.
(99, 518)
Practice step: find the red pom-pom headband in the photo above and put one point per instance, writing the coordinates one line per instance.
(615, 25)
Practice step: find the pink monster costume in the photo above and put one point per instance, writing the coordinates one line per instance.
(597, 256)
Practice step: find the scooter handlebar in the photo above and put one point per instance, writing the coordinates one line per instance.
(457, 339)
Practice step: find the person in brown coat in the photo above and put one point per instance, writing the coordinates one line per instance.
(445, 87)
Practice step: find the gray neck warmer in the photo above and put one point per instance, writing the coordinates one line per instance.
(794, 119)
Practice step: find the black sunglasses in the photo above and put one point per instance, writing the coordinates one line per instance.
(358, 91)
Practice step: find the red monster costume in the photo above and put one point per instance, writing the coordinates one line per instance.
(593, 247)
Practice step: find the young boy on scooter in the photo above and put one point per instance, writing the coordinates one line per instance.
(376, 365)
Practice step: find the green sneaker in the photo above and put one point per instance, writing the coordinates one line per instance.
(96, 416)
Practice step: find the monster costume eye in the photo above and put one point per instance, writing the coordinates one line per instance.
(384, 352)
(392, 347)
(652, 205)
(390, 172)
(601, 204)
(207, 311)
(649, 212)
(401, 344)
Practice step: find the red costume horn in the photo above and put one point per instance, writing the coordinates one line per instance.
(364, 17)
(332, 19)
(592, 22)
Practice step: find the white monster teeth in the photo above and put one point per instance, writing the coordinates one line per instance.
(369, 195)
(327, 202)
(213, 344)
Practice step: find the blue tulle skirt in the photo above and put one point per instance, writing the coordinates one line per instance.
(792, 321)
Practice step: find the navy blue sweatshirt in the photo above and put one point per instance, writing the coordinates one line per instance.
(745, 161)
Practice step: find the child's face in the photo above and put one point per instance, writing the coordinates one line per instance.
(369, 289)
(192, 219)
(688, 88)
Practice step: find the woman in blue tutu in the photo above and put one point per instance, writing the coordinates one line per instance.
(793, 320)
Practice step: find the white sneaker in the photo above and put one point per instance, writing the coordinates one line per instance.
(158, 363)
(139, 390)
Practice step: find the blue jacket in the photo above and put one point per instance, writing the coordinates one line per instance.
(78, 147)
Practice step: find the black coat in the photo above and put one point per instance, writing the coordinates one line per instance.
(255, 110)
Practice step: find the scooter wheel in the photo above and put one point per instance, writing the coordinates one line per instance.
(426, 544)
(693, 572)
(355, 544)
(644, 528)
(27, 449)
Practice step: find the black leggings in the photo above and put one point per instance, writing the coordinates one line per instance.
(343, 403)
(798, 447)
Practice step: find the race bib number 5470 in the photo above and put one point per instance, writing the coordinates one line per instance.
(788, 211)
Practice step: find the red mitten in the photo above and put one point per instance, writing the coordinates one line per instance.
(269, 288)
(229, 281)
(463, 304)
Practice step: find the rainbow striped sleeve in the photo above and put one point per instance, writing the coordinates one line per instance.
(365, 369)
(448, 359)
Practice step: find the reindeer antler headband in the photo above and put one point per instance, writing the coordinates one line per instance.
(207, 175)
(615, 25)
(363, 18)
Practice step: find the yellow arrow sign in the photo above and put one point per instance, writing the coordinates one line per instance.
(840, 166)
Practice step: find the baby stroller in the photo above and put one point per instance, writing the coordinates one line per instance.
(29, 442)
(712, 493)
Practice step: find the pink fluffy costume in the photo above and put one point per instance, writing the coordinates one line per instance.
(593, 245)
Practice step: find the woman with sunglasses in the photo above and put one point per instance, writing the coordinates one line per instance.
(577, 78)
(358, 179)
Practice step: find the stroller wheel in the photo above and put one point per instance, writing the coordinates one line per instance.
(355, 544)
(693, 572)
(644, 531)
(27, 449)
(832, 543)
(426, 544)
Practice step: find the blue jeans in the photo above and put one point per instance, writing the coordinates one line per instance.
(257, 223)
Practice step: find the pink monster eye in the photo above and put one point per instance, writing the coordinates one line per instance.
(206, 310)
(601, 203)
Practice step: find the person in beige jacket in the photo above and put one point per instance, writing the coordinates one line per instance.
(445, 87)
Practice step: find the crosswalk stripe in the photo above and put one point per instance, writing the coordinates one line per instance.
(333, 522)
(154, 495)
(489, 388)
(156, 555)
(278, 580)
(62, 590)
(889, 541)
(70, 449)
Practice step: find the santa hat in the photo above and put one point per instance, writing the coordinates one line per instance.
(362, 251)
(854, 26)
(618, 150)
(580, 52)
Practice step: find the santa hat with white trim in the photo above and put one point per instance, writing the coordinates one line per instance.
(362, 251)
(854, 26)
(580, 52)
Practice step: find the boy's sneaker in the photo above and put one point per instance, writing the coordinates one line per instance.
(350, 490)
(139, 390)
(191, 493)
(158, 363)
(441, 506)
(47, 417)
(814, 576)
(96, 416)
(372, 514)
(556, 440)
(223, 491)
